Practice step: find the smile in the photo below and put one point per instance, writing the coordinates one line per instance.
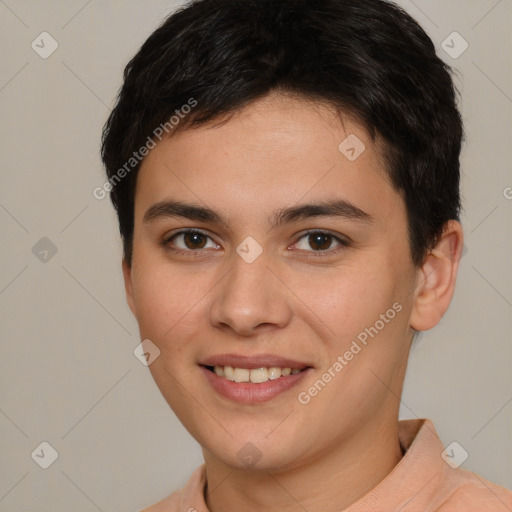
(252, 385)
(254, 375)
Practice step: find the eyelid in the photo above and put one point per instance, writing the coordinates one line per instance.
(183, 231)
(343, 241)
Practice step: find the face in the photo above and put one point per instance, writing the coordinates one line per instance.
(258, 243)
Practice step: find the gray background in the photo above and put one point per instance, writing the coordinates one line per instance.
(68, 373)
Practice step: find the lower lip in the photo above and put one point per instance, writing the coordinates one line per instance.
(250, 392)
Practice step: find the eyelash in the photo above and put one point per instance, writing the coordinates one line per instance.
(343, 244)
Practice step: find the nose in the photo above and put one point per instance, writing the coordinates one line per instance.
(250, 298)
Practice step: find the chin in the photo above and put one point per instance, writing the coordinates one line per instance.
(246, 453)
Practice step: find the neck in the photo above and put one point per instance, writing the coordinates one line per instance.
(331, 482)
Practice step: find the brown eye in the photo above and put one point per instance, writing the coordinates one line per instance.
(194, 240)
(320, 241)
(190, 240)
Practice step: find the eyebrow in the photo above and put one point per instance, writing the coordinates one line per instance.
(335, 208)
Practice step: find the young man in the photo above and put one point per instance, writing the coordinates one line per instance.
(286, 176)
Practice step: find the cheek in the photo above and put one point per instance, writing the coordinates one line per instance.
(170, 304)
(346, 299)
(364, 309)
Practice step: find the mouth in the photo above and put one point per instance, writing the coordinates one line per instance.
(253, 375)
(252, 380)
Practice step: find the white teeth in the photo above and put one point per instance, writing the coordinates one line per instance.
(241, 375)
(228, 372)
(274, 372)
(255, 375)
(259, 375)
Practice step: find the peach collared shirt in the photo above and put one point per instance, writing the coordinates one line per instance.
(421, 482)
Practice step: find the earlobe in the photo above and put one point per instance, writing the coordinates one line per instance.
(437, 278)
(127, 274)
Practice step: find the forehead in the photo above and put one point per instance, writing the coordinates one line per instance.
(275, 152)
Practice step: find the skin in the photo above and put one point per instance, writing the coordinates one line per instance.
(293, 301)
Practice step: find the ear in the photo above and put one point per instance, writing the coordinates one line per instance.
(127, 274)
(437, 278)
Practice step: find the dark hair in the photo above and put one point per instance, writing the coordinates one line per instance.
(366, 58)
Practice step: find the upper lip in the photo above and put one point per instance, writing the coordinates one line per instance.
(255, 361)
